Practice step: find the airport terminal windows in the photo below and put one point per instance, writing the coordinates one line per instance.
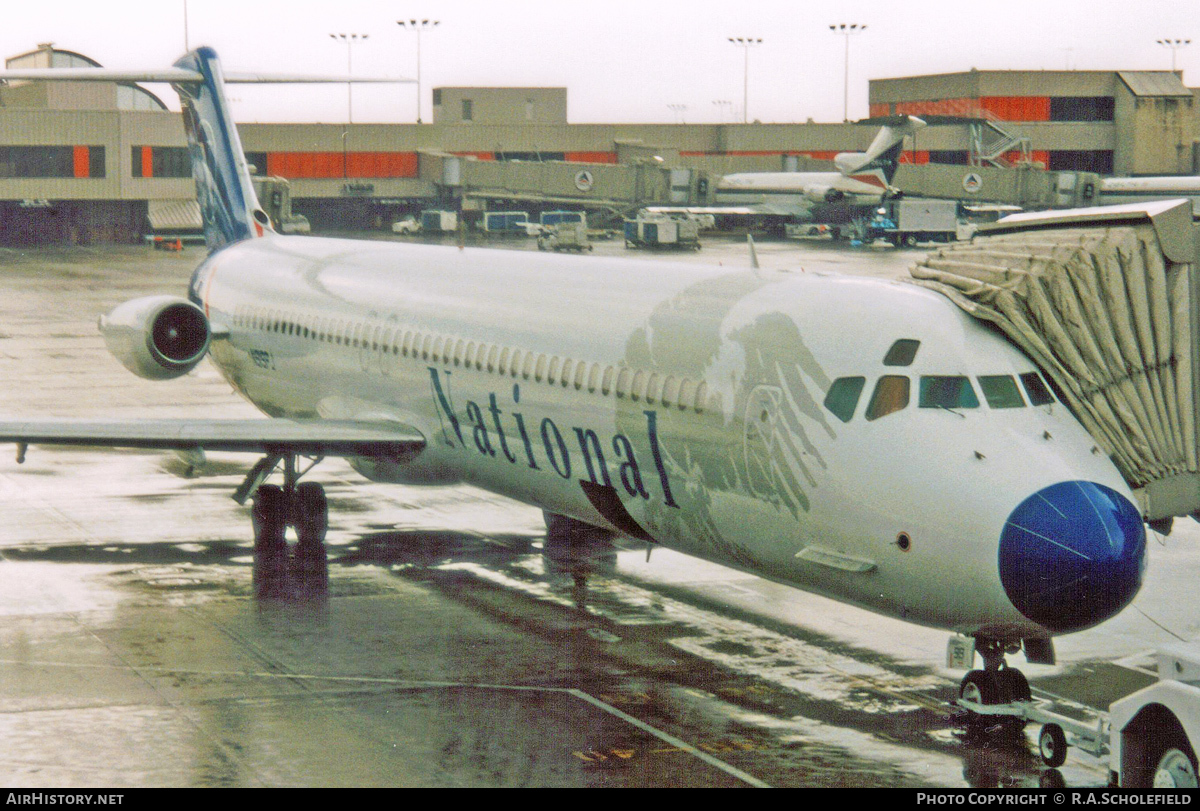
(1099, 161)
(1082, 108)
(51, 161)
(161, 161)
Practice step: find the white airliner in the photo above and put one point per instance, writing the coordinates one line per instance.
(862, 180)
(861, 439)
(1119, 190)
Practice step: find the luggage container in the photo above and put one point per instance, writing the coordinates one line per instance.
(657, 231)
(436, 220)
(506, 223)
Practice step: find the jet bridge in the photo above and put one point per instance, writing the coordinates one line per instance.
(1107, 302)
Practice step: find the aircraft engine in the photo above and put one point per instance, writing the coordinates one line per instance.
(823, 194)
(157, 337)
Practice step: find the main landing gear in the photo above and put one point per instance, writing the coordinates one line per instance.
(281, 571)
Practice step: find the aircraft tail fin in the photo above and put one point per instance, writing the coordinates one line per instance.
(228, 204)
(879, 163)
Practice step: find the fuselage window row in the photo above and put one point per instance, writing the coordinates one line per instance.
(623, 382)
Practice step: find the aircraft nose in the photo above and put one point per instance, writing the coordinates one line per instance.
(1072, 555)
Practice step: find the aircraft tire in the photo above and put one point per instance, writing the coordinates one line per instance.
(269, 517)
(310, 513)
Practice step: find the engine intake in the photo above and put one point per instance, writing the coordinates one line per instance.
(157, 337)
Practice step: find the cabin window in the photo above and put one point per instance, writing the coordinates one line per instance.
(947, 392)
(493, 356)
(639, 386)
(531, 360)
(568, 366)
(552, 373)
(902, 353)
(670, 391)
(516, 362)
(843, 396)
(607, 384)
(426, 345)
(1001, 391)
(580, 375)
(891, 395)
(624, 378)
(502, 364)
(701, 397)
(687, 390)
(594, 378)
(1036, 388)
(652, 385)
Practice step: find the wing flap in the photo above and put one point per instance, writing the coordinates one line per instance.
(392, 441)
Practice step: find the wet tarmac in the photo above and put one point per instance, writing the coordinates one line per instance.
(451, 647)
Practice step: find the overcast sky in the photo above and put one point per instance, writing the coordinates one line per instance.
(621, 60)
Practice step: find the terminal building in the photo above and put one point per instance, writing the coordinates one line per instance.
(88, 162)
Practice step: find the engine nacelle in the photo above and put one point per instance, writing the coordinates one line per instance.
(824, 194)
(157, 337)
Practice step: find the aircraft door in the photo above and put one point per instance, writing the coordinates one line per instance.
(761, 440)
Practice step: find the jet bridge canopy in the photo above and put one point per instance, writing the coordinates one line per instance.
(1104, 300)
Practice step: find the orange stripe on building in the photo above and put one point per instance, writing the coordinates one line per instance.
(591, 157)
(82, 164)
(147, 161)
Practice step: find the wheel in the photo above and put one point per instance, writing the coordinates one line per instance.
(1051, 778)
(1013, 685)
(910, 240)
(310, 513)
(1052, 745)
(1175, 765)
(269, 517)
(980, 687)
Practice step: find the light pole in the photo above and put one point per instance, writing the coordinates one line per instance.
(349, 39)
(847, 31)
(419, 26)
(1175, 45)
(723, 106)
(745, 43)
(679, 110)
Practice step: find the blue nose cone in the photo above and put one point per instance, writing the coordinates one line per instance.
(1072, 555)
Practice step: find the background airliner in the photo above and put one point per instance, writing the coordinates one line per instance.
(862, 179)
(860, 439)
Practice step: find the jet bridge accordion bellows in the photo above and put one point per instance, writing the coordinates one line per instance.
(1103, 300)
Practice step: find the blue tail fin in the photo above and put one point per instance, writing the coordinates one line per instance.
(228, 205)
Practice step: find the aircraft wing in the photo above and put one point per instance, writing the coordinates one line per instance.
(376, 439)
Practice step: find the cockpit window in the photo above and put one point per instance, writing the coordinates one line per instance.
(843, 396)
(891, 395)
(902, 353)
(947, 392)
(1001, 391)
(1036, 388)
